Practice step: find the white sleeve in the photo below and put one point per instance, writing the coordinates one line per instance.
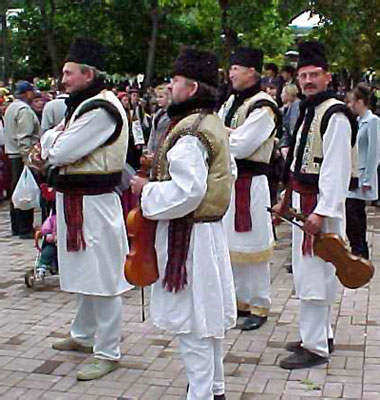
(86, 134)
(255, 130)
(335, 174)
(47, 140)
(221, 112)
(185, 191)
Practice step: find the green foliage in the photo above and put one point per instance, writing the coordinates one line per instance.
(125, 27)
(261, 25)
(349, 32)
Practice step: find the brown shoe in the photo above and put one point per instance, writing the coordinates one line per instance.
(69, 344)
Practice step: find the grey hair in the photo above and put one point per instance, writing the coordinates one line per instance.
(257, 75)
(97, 74)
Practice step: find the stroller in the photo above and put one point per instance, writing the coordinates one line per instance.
(46, 263)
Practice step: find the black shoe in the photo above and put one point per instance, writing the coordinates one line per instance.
(241, 313)
(302, 359)
(253, 322)
(296, 346)
(219, 397)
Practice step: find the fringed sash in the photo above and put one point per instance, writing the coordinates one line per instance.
(308, 194)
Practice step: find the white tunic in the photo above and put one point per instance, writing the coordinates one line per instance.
(257, 245)
(97, 270)
(314, 278)
(206, 306)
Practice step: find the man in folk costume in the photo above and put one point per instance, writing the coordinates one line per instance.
(251, 116)
(88, 153)
(190, 192)
(318, 170)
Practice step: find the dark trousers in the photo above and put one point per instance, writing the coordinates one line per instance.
(21, 220)
(356, 226)
(378, 183)
(48, 255)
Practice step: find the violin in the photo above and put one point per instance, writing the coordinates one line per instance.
(352, 271)
(140, 268)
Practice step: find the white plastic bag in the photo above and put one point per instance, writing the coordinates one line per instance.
(27, 193)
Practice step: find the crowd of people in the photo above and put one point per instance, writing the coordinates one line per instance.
(220, 151)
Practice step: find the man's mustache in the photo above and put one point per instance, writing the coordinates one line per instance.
(310, 86)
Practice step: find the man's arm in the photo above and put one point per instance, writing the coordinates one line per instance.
(248, 137)
(185, 191)
(335, 174)
(25, 126)
(85, 135)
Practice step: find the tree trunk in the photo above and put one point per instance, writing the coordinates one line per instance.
(48, 28)
(152, 45)
(4, 39)
(230, 36)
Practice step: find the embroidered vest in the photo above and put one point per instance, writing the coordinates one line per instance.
(110, 157)
(307, 162)
(210, 131)
(264, 152)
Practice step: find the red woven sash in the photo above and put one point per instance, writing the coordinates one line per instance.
(73, 212)
(179, 234)
(308, 194)
(243, 219)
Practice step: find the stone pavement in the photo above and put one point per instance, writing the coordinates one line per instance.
(31, 319)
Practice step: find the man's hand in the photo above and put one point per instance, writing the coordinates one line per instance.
(366, 188)
(284, 152)
(59, 128)
(137, 184)
(280, 209)
(313, 224)
(35, 161)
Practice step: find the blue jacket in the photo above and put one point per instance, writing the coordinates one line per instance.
(368, 136)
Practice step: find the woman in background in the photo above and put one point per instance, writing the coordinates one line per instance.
(356, 217)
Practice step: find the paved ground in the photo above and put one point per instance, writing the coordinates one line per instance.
(31, 319)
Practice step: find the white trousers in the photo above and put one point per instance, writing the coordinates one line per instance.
(203, 358)
(98, 323)
(315, 327)
(252, 283)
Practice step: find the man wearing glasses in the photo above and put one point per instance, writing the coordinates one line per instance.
(318, 171)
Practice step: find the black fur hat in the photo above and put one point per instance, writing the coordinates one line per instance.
(312, 53)
(199, 65)
(248, 57)
(87, 51)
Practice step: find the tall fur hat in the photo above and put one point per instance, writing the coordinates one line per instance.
(312, 53)
(87, 51)
(248, 57)
(199, 65)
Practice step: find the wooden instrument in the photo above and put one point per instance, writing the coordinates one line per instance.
(140, 268)
(352, 271)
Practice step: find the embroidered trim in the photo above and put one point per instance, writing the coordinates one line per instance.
(254, 310)
(265, 255)
(172, 140)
